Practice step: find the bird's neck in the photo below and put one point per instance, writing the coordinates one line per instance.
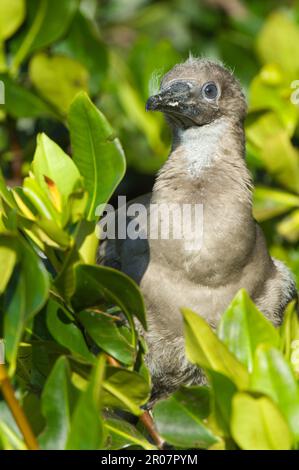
(206, 162)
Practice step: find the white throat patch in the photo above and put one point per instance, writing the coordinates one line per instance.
(200, 145)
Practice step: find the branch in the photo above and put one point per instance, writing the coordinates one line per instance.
(145, 418)
(16, 410)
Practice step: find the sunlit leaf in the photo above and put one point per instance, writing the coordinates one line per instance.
(273, 376)
(12, 14)
(87, 430)
(243, 327)
(257, 424)
(97, 152)
(278, 42)
(125, 389)
(45, 72)
(206, 350)
(289, 227)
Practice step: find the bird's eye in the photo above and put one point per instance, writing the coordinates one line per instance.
(210, 91)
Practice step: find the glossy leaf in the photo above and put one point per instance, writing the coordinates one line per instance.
(223, 392)
(123, 434)
(257, 424)
(56, 406)
(8, 258)
(125, 389)
(273, 376)
(97, 152)
(98, 284)
(87, 430)
(243, 327)
(65, 331)
(50, 167)
(104, 332)
(21, 301)
(206, 350)
(179, 419)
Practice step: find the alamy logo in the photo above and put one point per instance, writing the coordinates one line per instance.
(158, 221)
(2, 93)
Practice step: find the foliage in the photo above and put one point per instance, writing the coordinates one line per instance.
(252, 401)
(60, 314)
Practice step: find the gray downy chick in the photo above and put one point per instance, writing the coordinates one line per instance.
(205, 108)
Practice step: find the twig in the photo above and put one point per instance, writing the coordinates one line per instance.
(145, 418)
(16, 410)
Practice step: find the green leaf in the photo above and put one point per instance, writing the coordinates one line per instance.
(21, 102)
(65, 331)
(289, 332)
(97, 153)
(275, 150)
(289, 227)
(223, 391)
(257, 424)
(125, 389)
(206, 350)
(98, 284)
(22, 302)
(47, 21)
(45, 72)
(10, 435)
(278, 42)
(87, 430)
(51, 164)
(102, 329)
(269, 203)
(83, 43)
(6, 193)
(179, 419)
(12, 14)
(56, 406)
(243, 327)
(270, 90)
(273, 376)
(8, 258)
(123, 434)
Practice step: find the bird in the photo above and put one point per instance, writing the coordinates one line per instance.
(205, 108)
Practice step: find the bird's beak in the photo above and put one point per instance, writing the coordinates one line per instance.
(172, 99)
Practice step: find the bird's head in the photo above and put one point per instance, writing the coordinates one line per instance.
(197, 92)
